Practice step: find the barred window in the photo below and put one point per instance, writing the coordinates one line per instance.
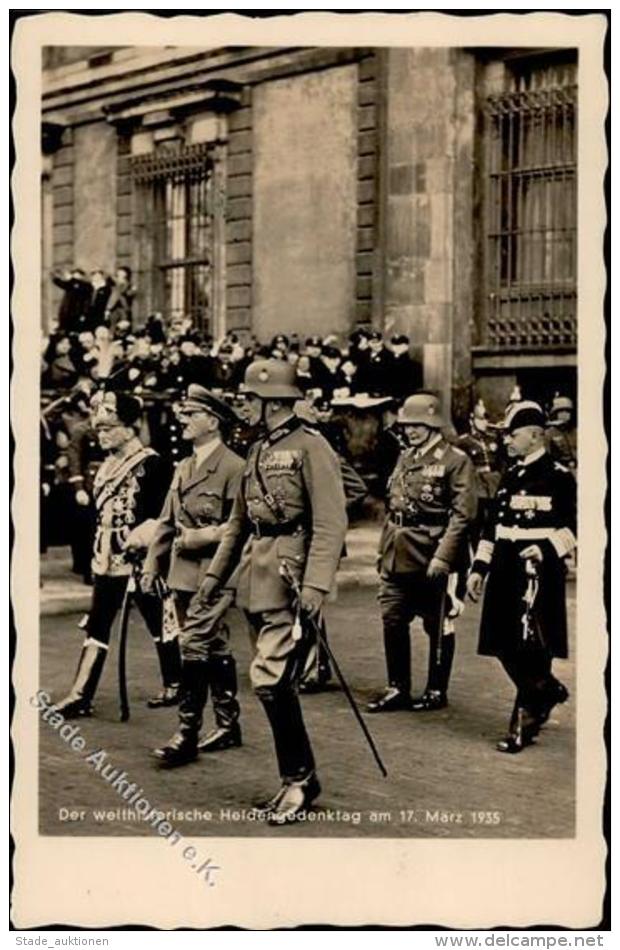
(531, 215)
(175, 231)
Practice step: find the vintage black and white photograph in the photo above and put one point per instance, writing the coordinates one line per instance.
(308, 439)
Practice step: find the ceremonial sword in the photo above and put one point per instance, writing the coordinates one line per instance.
(130, 589)
(291, 580)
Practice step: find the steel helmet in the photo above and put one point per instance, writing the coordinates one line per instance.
(421, 409)
(271, 379)
(561, 403)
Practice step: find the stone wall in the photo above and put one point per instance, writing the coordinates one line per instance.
(239, 191)
(427, 206)
(304, 211)
(94, 214)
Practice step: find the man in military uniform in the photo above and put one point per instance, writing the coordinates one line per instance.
(522, 554)
(84, 458)
(289, 513)
(187, 534)
(128, 490)
(483, 445)
(561, 435)
(431, 506)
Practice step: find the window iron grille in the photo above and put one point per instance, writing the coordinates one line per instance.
(531, 227)
(175, 199)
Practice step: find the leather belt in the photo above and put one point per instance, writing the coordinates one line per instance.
(427, 520)
(263, 529)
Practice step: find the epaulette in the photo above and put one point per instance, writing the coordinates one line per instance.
(456, 450)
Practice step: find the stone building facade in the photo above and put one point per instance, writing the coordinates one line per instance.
(430, 191)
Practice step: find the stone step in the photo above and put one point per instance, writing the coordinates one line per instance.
(63, 596)
(58, 566)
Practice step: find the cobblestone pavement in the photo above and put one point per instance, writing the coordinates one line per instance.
(445, 778)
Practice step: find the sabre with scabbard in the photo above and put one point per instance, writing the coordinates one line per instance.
(130, 589)
(529, 596)
(441, 620)
(298, 632)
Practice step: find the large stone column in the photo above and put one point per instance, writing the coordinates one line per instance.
(428, 210)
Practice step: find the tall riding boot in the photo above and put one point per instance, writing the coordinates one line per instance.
(183, 746)
(300, 785)
(222, 674)
(435, 696)
(78, 701)
(293, 749)
(397, 645)
(523, 727)
(170, 665)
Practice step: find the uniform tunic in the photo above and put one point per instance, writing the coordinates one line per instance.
(535, 504)
(431, 503)
(562, 445)
(200, 495)
(484, 450)
(127, 491)
(290, 509)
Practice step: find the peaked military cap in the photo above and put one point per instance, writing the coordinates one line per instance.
(524, 414)
(200, 398)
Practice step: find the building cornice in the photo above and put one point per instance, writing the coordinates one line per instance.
(90, 95)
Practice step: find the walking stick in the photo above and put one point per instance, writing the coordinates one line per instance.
(287, 574)
(122, 645)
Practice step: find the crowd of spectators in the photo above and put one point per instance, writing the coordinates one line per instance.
(96, 341)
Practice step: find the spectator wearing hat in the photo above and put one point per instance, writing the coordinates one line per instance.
(359, 351)
(186, 537)
(225, 371)
(327, 374)
(280, 343)
(430, 507)
(305, 378)
(61, 371)
(405, 374)
(289, 512)
(522, 555)
(349, 373)
(374, 375)
(128, 494)
(561, 434)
